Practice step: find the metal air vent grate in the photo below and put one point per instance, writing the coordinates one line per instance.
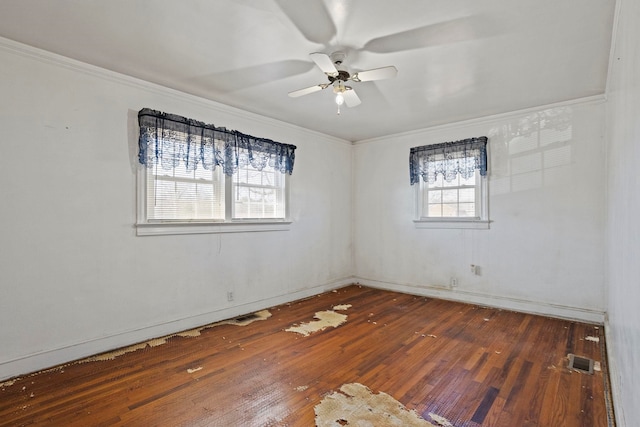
(246, 317)
(581, 364)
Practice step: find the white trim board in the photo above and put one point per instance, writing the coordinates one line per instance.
(505, 303)
(50, 358)
(614, 377)
(46, 359)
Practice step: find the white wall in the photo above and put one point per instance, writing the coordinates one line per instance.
(544, 250)
(75, 279)
(623, 228)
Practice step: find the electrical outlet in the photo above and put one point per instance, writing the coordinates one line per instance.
(229, 295)
(475, 270)
(453, 281)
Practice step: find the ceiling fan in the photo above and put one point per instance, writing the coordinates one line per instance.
(331, 65)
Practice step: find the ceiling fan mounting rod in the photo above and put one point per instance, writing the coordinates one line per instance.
(338, 57)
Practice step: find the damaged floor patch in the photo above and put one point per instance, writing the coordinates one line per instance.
(9, 382)
(441, 421)
(325, 319)
(241, 321)
(357, 405)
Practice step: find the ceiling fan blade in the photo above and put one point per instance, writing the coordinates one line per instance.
(308, 90)
(242, 78)
(351, 98)
(437, 34)
(312, 19)
(324, 62)
(375, 74)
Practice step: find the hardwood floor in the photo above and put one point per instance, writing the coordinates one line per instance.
(474, 366)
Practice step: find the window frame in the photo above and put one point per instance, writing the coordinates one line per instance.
(146, 227)
(480, 222)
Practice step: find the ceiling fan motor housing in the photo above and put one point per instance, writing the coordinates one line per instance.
(342, 76)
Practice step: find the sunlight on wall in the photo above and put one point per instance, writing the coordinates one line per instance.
(527, 152)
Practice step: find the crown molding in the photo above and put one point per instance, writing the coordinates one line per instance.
(61, 61)
(594, 99)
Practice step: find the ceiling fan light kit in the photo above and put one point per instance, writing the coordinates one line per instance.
(338, 89)
(331, 66)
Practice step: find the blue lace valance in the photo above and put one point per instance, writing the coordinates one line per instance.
(448, 159)
(167, 140)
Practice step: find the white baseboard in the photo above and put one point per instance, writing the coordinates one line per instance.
(614, 376)
(505, 303)
(53, 357)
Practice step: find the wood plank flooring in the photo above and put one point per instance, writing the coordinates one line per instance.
(474, 366)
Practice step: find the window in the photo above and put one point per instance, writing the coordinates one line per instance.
(460, 203)
(258, 194)
(453, 190)
(178, 195)
(202, 179)
(178, 201)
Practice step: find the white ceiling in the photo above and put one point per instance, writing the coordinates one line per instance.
(457, 59)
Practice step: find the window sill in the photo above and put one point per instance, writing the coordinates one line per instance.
(240, 226)
(474, 224)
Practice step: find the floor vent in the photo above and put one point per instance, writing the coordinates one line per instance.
(581, 364)
(246, 317)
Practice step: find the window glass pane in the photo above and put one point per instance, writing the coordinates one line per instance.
(449, 196)
(449, 209)
(202, 173)
(181, 172)
(242, 194)
(260, 195)
(242, 210)
(435, 210)
(458, 198)
(268, 178)
(158, 171)
(467, 195)
(435, 196)
(269, 196)
(240, 176)
(178, 194)
(254, 177)
(467, 210)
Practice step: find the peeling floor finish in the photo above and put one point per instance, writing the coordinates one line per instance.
(111, 355)
(325, 319)
(356, 405)
(441, 421)
(9, 382)
(435, 357)
(260, 315)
